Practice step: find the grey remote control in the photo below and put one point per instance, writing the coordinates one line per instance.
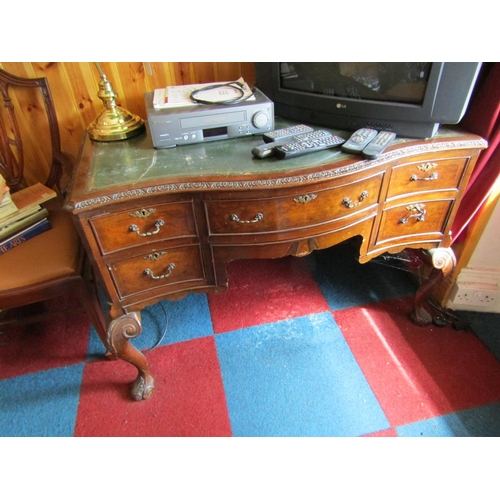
(286, 133)
(359, 140)
(383, 139)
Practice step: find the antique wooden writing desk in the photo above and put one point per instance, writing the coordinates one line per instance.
(158, 224)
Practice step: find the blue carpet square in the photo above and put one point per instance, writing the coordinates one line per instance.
(346, 283)
(185, 319)
(41, 404)
(476, 422)
(296, 378)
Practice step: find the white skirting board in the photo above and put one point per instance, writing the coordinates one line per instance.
(476, 290)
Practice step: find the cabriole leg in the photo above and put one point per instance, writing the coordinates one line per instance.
(443, 262)
(119, 332)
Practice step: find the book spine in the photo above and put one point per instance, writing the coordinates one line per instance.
(18, 225)
(25, 235)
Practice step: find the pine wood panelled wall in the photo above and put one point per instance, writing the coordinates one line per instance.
(74, 87)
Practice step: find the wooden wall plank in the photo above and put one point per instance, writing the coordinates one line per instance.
(183, 73)
(133, 87)
(205, 72)
(84, 82)
(248, 72)
(160, 76)
(228, 71)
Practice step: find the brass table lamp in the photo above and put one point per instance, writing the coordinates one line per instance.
(113, 123)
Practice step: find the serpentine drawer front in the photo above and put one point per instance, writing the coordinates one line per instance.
(145, 224)
(307, 209)
(420, 221)
(429, 175)
(170, 269)
(158, 224)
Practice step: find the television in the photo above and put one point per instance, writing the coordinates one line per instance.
(411, 99)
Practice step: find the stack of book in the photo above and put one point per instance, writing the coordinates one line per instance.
(22, 216)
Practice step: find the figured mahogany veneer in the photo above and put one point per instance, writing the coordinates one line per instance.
(158, 224)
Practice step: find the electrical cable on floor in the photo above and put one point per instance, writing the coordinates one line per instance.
(445, 316)
(149, 349)
(397, 261)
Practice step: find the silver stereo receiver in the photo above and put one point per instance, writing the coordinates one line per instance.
(179, 125)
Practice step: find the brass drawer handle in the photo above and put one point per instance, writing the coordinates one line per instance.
(349, 204)
(136, 229)
(168, 272)
(431, 177)
(418, 212)
(257, 218)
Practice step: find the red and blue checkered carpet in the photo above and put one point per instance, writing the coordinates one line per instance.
(314, 346)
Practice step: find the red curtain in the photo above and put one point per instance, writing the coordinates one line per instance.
(482, 118)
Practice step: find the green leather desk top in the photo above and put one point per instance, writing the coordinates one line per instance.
(134, 160)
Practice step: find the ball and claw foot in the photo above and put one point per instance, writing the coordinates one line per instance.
(420, 317)
(142, 387)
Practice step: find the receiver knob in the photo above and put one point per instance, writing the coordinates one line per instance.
(260, 119)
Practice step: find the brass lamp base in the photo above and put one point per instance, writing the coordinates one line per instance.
(113, 123)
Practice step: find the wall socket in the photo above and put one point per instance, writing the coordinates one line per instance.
(468, 294)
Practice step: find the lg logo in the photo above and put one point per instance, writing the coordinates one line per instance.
(341, 106)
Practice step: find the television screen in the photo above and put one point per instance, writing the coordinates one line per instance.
(403, 82)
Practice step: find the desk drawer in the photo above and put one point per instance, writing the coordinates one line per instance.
(144, 225)
(310, 208)
(426, 176)
(175, 268)
(427, 218)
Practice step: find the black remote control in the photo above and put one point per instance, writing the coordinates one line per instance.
(286, 133)
(294, 148)
(359, 140)
(267, 149)
(383, 139)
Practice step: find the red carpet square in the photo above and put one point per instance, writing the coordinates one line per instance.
(418, 373)
(264, 291)
(188, 399)
(44, 345)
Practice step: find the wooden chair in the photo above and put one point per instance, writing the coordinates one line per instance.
(52, 264)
